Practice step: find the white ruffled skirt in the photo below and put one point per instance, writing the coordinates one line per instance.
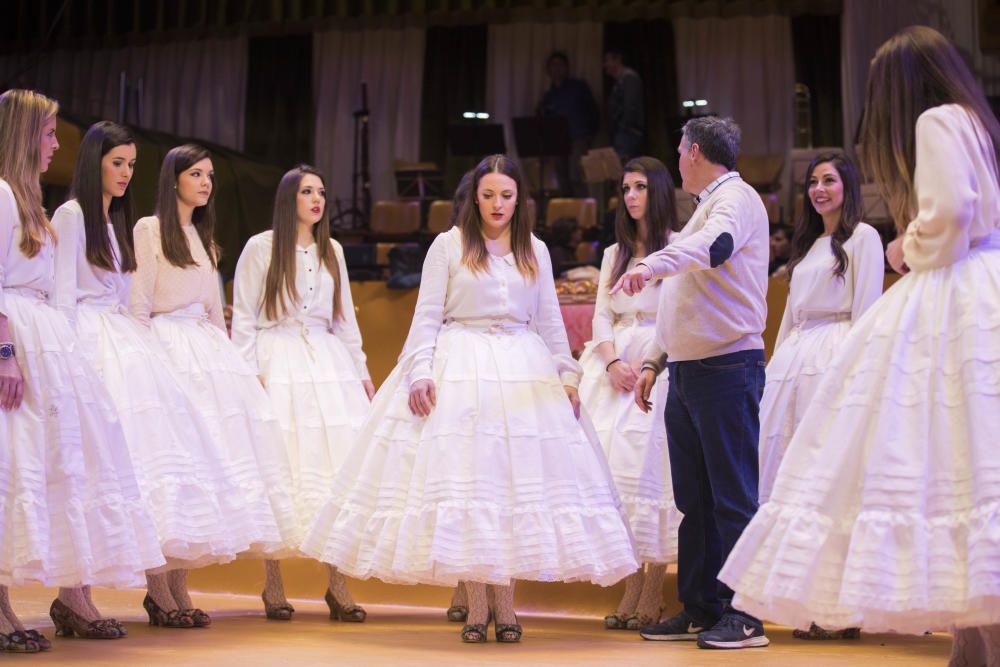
(70, 509)
(500, 482)
(886, 510)
(181, 468)
(239, 417)
(792, 375)
(635, 444)
(316, 392)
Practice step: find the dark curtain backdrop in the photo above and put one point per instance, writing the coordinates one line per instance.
(816, 43)
(279, 109)
(648, 46)
(454, 81)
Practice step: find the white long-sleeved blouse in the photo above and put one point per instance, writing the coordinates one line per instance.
(816, 293)
(17, 271)
(955, 181)
(612, 308)
(450, 291)
(314, 307)
(76, 279)
(160, 287)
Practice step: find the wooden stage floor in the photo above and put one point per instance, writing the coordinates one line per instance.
(403, 636)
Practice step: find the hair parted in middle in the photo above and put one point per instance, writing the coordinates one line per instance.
(280, 281)
(88, 190)
(474, 253)
(810, 227)
(661, 213)
(172, 238)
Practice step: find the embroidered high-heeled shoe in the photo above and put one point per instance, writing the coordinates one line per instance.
(615, 621)
(353, 614)
(508, 633)
(37, 637)
(18, 642)
(69, 623)
(166, 619)
(198, 617)
(277, 612)
(474, 633)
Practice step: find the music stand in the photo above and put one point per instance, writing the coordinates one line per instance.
(476, 139)
(542, 137)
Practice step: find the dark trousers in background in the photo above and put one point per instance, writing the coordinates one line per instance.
(713, 425)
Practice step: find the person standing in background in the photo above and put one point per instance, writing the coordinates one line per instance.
(573, 100)
(626, 115)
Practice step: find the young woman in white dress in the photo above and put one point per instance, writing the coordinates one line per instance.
(885, 509)
(836, 270)
(635, 442)
(293, 320)
(183, 476)
(472, 464)
(72, 515)
(175, 293)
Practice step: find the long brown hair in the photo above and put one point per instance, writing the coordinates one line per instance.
(474, 253)
(23, 113)
(809, 227)
(172, 238)
(915, 70)
(661, 213)
(88, 190)
(280, 281)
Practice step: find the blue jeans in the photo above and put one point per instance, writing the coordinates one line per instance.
(713, 425)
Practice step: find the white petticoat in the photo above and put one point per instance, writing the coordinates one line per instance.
(181, 468)
(635, 444)
(500, 482)
(792, 375)
(70, 509)
(238, 414)
(886, 511)
(317, 395)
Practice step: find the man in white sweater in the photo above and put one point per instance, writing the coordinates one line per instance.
(709, 328)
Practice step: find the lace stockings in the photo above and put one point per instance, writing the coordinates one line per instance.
(8, 619)
(975, 647)
(77, 599)
(158, 587)
(651, 599)
(338, 587)
(633, 590)
(274, 586)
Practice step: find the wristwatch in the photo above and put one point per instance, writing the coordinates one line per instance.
(6, 351)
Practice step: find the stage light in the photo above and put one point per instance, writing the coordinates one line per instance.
(469, 114)
(687, 104)
(701, 103)
(482, 115)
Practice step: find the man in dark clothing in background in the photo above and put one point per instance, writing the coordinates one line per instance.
(626, 118)
(573, 100)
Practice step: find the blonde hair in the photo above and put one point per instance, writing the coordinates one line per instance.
(914, 70)
(23, 113)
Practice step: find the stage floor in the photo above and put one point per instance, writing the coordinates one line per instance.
(403, 636)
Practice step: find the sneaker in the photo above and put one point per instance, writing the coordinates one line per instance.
(734, 630)
(679, 628)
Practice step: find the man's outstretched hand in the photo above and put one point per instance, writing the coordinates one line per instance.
(633, 281)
